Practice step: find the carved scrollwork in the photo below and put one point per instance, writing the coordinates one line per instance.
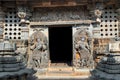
(38, 46)
(82, 46)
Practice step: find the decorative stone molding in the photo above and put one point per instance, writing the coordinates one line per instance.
(24, 14)
(96, 30)
(59, 14)
(96, 11)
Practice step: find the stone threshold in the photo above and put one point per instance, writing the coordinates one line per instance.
(63, 77)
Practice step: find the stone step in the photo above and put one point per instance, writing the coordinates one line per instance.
(63, 78)
(61, 69)
(59, 73)
(59, 78)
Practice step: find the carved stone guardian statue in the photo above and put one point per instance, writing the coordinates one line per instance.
(38, 46)
(82, 45)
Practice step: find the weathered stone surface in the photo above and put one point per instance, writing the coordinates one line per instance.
(114, 47)
(83, 48)
(11, 63)
(39, 50)
(59, 14)
(109, 66)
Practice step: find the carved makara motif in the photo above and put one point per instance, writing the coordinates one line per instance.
(82, 49)
(38, 46)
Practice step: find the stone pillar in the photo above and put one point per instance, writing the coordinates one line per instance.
(2, 17)
(95, 12)
(24, 13)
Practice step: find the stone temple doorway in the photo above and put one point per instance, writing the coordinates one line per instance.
(60, 44)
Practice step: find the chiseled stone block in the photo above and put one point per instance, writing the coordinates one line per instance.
(114, 47)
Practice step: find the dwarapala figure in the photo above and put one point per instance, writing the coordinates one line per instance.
(82, 49)
(39, 50)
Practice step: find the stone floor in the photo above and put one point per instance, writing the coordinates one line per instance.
(61, 71)
(63, 74)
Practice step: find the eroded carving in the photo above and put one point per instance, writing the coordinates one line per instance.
(2, 15)
(58, 14)
(38, 46)
(24, 14)
(82, 45)
(96, 11)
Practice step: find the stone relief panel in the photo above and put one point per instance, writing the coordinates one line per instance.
(58, 14)
(39, 48)
(82, 40)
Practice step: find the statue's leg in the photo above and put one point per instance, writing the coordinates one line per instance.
(39, 63)
(42, 59)
(36, 63)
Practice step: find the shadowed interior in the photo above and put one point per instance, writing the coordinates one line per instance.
(60, 44)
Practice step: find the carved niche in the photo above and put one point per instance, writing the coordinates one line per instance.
(82, 48)
(39, 49)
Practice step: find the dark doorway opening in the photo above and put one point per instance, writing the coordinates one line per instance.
(60, 44)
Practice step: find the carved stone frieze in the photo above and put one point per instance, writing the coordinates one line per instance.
(59, 14)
